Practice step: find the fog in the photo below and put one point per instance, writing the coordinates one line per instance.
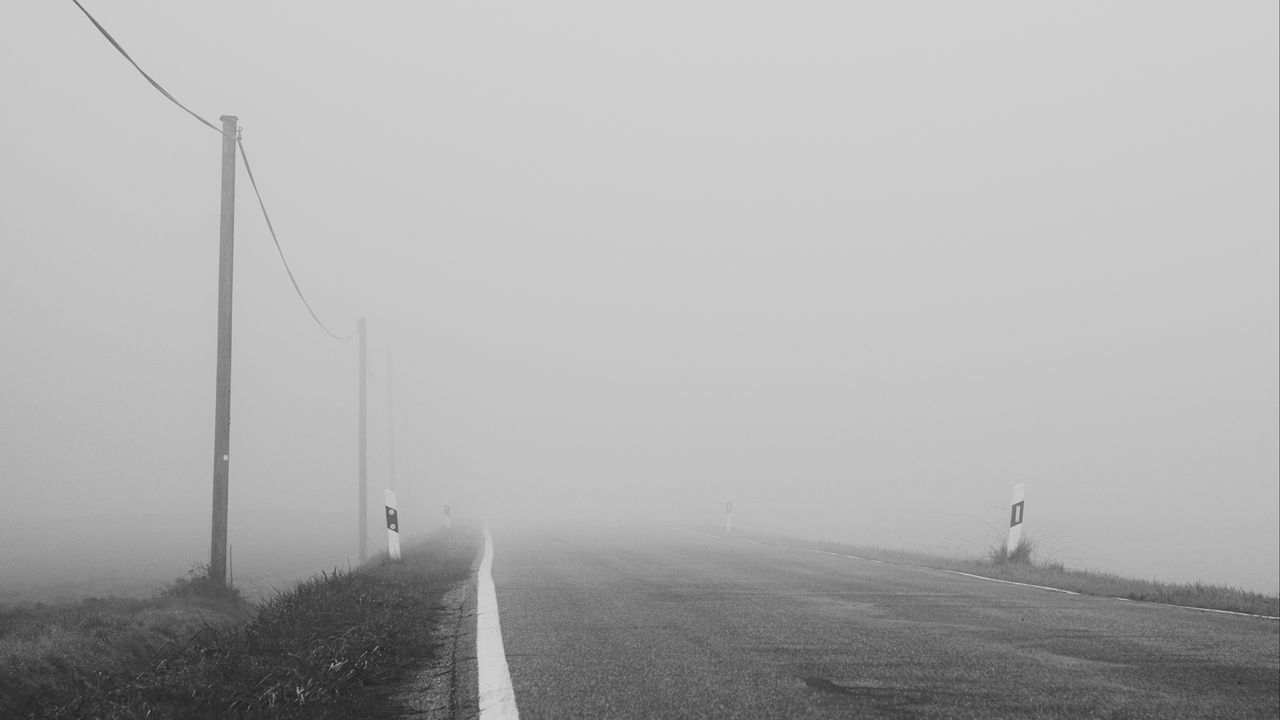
(858, 268)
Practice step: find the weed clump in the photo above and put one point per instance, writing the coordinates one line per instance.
(198, 585)
(1020, 555)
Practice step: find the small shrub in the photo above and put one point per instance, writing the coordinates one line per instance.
(198, 585)
(1021, 555)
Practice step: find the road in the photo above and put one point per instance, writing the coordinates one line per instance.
(664, 623)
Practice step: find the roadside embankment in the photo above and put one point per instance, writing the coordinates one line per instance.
(333, 646)
(1022, 567)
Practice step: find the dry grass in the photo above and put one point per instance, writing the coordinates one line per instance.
(1020, 555)
(52, 655)
(324, 649)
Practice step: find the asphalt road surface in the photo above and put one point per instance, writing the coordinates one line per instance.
(664, 623)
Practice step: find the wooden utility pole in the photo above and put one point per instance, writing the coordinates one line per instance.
(364, 443)
(222, 391)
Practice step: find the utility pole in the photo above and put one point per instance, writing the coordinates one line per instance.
(391, 427)
(222, 391)
(364, 443)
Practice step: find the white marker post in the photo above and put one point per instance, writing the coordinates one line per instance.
(1015, 519)
(728, 516)
(393, 526)
(448, 515)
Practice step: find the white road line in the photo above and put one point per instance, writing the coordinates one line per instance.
(851, 557)
(1145, 603)
(1192, 607)
(995, 580)
(497, 698)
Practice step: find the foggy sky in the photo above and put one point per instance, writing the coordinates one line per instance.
(859, 267)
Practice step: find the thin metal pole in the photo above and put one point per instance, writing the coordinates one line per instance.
(364, 443)
(222, 391)
(391, 427)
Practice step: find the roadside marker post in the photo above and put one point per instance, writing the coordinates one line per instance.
(448, 516)
(728, 516)
(1015, 518)
(393, 526)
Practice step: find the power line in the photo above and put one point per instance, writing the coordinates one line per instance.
(280, 250)
(154, 84)
(240, 144)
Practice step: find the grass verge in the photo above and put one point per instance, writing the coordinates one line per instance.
(334, 646)
(1018, 566)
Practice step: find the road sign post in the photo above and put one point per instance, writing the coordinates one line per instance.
(1015, 519)
(393, 526)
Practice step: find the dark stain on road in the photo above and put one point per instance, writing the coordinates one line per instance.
(882, 697)
(826, 685)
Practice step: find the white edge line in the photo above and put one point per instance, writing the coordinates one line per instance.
(997, 580)
(989, 579)
(1201, 609)
(497, 699)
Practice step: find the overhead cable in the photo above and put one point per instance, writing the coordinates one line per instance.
(276, 240)
(240, 144)
(154, 84)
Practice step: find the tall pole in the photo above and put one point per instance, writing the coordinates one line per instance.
(364, 443)
(391, 427)
(222, 392)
